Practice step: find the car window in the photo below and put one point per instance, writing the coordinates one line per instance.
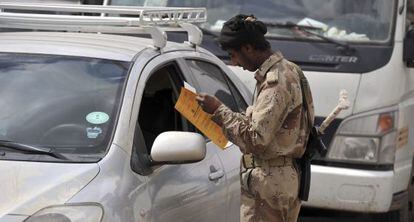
(68, 103)
(213, 81)
(157, 113)
(241, 103)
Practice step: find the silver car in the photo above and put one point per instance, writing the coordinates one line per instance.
(88, 131)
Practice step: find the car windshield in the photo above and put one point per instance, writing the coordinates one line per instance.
(66, 103)
(346, 20)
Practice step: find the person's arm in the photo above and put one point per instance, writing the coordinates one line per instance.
(254, 134)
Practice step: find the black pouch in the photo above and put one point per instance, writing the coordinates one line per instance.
(305, 177)
(314, 145)
(245, 178)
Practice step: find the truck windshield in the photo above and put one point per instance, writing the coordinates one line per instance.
(345, 20)
(60, 102)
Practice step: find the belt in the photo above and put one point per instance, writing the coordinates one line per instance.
(251, 162)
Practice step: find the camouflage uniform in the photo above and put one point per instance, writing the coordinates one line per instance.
(274, 130)
(410, 11)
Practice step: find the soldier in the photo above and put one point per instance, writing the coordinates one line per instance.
(273, 132)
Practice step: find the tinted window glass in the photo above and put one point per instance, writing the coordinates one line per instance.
(157, 113)
(68, 103)
(212, 81)
(238, 97)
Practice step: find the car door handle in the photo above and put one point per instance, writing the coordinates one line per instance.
(215, 173)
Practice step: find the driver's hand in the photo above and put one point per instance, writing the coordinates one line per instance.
(208, 103)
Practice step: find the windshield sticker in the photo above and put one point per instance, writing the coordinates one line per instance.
(93, 133)
(97, 117)
(3, 132)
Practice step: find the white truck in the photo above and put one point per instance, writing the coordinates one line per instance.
(369, 165)
(367, 48)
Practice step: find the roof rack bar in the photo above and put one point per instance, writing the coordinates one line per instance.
(117, 19)
(151, 19)
(123, 10)
(132, 15)
(72, 8)
(90, 28)
(66, 19)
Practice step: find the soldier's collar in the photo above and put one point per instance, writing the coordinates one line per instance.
(267, 64)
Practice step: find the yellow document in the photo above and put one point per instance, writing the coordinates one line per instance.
(187, 105)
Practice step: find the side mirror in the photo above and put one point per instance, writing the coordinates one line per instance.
(408, 51)
(178, 147)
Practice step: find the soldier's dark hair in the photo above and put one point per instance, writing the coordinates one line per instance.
(241, 30)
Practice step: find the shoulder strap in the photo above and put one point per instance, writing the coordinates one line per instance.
(304, 85)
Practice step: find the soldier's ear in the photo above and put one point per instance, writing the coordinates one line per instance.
(247, 48)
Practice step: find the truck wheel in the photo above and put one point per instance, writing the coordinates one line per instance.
(406, 213)
(410, 202)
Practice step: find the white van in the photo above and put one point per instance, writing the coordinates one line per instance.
(365, 47)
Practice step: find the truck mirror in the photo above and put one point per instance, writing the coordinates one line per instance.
(408, 51)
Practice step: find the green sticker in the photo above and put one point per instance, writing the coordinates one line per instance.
(97, 117)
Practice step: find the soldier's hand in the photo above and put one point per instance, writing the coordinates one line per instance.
(208, 103)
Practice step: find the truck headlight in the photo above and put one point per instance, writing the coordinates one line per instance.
(68, 213)
(367, 138)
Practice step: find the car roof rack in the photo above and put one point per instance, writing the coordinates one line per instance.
(105, 19)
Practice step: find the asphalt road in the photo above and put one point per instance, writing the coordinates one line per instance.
(315, 215)
(336, 219)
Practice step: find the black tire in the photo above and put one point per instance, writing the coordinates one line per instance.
(406, 213)
(409, 208)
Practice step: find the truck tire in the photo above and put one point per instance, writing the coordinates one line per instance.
(406, 213)
(410, 201)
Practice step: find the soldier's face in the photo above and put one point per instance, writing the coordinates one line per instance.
(243, 58)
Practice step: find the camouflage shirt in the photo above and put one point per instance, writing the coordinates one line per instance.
(410, 11)
(276, 124)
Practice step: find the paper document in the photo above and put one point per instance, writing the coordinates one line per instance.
(187, 105)
(189, 87)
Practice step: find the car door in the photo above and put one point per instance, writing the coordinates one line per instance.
(181, 192)
(211, 79)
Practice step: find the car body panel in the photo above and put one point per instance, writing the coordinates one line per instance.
(230, 158)
(12, 218)
(29, 186)
(103, 46)
(122, 193)
(176, 190)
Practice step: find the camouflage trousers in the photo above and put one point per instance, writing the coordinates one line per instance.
(271, 194)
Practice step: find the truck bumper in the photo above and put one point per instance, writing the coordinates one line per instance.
(350, 189)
